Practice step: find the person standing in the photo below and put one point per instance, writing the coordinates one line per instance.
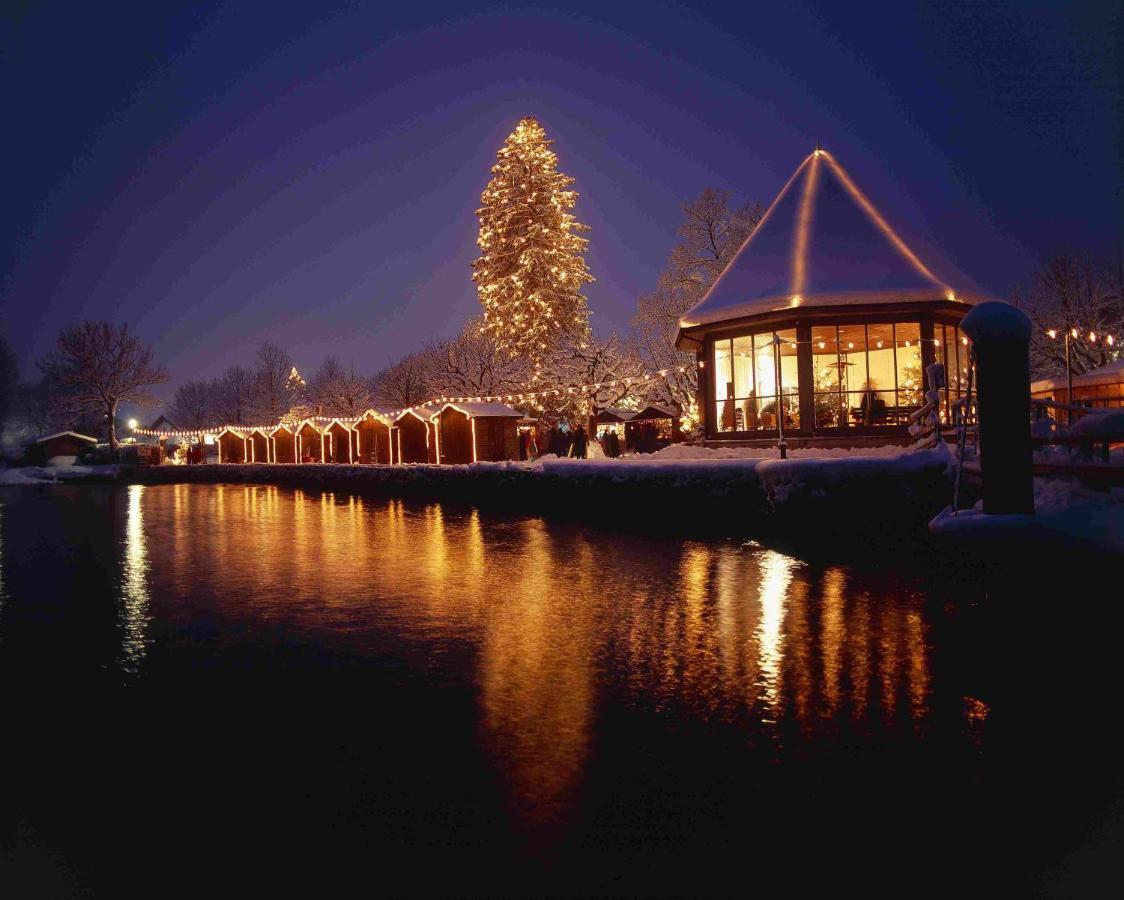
(533, 448)
(578, 450)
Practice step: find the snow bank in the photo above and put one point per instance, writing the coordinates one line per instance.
(58, 474)
(692, 451)
(1066, 514)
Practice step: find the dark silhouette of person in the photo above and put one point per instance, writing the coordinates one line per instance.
(578, 448)
(614, 448)
(872, 405)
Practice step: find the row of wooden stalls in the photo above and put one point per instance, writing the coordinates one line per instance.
(450, 434)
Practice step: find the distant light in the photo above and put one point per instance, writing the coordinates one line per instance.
(133, 424)
(850, 345)
(1073, 332)
(822, 345)
(1053, 332)
(1109, 340)
(1092, 335)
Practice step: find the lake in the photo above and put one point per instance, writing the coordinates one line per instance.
(215, 688)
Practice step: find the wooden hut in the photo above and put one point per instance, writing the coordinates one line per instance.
(414, 439)
(373, 433)
(613, 418)
(258, 443)
(310, 442)
(339, 442)
(476, 431)
(651, 429)
(1101, 388)
(823, 323)
(284, 445)
(233, 446)
(61, 448)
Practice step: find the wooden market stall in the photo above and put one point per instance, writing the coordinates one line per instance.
(310, 442)
(477, 431)
(339, 444)
(1101, 388)
(651, 429)
(232, 446)
(258, 444)
(414, 441)
(284, 445)
(373, 433)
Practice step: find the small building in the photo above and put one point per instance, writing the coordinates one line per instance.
(373, 438)
(284, 445)
(339, 445)
(1101, 388)
(651, 429)
(414, 436)
(258, 443)
(823, 323)
(233, 446)
(310, 442)
(613, 418)
(60, 449)
(469, 432)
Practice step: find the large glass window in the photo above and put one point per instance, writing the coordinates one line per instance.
(748, 372)
(866, 375)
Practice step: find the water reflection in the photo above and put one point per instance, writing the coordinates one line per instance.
(134, 583)
(547, 622)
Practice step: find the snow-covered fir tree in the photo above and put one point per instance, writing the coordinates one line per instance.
(531, 269)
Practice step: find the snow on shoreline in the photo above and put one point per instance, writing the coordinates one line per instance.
(58, 474)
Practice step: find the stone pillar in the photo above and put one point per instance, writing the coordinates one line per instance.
(1000, 336)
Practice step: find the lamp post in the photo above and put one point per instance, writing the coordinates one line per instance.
(782, 446)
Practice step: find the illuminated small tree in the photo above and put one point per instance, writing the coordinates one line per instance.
(531, 269)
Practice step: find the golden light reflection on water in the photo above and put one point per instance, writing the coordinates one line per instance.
(546, 620)
(134, 583)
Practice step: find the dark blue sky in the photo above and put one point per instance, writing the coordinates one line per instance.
(222, 175)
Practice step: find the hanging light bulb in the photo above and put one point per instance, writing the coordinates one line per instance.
(1053, 332)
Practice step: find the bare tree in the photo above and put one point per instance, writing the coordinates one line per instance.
(404, 383)
(194, 405)
(1072, 292)
(586, 375)
(100, 365)
(234, 396)
(339, 391)
(713, 231)
(275, 392)
(473, 365)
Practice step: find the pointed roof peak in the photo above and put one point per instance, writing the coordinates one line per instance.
(820, 243)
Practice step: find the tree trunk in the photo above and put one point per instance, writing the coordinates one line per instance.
(113, 426)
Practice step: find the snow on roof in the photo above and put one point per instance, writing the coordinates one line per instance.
(73, 434)
(1110, 373)
(425, 413)
(821, 243)
(476, 409)
(654, 412)
(615, 414)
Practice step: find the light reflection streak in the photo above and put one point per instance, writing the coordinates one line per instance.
(775, 577)
(134, 590)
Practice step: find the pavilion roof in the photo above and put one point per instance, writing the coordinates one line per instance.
(821, 243)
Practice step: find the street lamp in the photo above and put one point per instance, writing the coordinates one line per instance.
(132, 424)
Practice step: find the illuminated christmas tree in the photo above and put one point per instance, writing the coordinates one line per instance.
(531, 269)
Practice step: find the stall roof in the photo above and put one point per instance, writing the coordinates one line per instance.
(821, 243)
(651, 412)
(615, 414)
(425, 413)
(479, 409)
(1110, 373)
(58, 434)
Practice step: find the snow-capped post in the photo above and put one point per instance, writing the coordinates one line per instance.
(1000, 336)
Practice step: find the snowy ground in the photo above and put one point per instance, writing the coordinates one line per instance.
(57, 474)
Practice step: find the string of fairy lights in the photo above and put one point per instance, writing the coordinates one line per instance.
(1091, 336)
(431, 407)
(434, 405)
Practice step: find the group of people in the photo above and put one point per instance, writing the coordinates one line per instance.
(557, 443)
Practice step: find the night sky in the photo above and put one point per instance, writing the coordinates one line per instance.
(219, 175)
